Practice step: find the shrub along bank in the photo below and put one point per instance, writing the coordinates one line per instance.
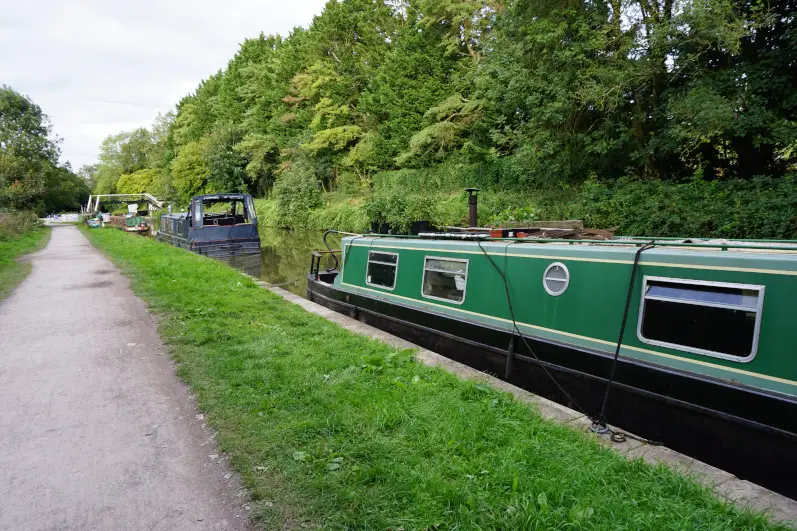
(19, 234)
(755, 208)
(334, 429)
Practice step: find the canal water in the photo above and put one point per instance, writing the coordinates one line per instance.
(284, 257)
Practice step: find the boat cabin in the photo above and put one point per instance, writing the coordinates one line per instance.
(216, 225)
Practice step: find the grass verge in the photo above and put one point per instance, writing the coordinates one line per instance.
(11, 271)
(332, 429)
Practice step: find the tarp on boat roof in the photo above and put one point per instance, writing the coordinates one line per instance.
(209, 198)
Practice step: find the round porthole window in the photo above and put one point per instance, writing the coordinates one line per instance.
(556, 278)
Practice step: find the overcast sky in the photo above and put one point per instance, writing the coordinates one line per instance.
(98, 67)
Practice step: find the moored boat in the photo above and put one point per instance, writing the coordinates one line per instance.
(131, 223)
(704, 362)
(216, 225)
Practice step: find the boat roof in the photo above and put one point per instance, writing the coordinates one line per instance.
(732, 254)
(221, 197)
(175, 215)
(703, 244)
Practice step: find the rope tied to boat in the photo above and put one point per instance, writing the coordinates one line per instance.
(598, 425)
(600, 422)
(540, 363)
(294, 281)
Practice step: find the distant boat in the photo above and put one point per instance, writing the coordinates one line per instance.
(131, 223)
(216, 225)
(707, 363)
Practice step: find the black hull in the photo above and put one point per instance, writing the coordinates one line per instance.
(228, 249)
(214, 249)
(735, 428)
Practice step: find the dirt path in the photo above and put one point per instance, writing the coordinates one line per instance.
(96, 432)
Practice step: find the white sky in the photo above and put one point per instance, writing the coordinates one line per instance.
(98, 67)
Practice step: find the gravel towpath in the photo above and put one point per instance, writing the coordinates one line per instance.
(96, 432)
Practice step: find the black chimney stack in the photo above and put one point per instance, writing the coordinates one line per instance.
(473, 208)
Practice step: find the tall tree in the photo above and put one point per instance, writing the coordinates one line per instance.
(419, 71)
(25, 130)
(544, 90)
(30, 175)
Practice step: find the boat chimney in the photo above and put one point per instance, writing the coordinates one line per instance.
(170, 210)
(473, 207)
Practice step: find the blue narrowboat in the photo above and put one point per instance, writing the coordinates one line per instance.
(216, 225)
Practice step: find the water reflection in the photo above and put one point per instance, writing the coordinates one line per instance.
(285, 257)
(251, 264)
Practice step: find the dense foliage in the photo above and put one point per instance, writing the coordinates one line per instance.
(762, 207)
(537, 95)
(31, 177)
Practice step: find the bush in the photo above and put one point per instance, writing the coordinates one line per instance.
(266, 212)
(296, 192)
(758, 208)
(339, 213)
(14, 223)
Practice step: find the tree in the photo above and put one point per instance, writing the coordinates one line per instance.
(128, 151)
(195, 113)
(733, 98)
(661, 89)
(262, 153)
(550, 91)
(449, 123)
(21, 183)
(25, 131)
(189, 172)
(30, 175)
(138, 182)
(226, 167)
(64, 191)
(88, 172)
(160, 152)
(417, 73)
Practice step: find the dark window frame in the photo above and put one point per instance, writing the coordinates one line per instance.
(758, 309)
(446, 259)
(395, 269)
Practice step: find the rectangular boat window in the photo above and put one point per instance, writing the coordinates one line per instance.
(711, 318)
(197, 213)
(445, 279)
(250, 206)
(226, 212)
(381, 269)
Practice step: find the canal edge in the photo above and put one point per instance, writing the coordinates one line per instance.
(725, 485)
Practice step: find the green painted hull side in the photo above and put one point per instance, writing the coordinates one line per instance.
(589, 313)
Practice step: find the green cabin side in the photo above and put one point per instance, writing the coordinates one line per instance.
(589, 311)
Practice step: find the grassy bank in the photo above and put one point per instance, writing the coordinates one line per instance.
(331, 429)
(755, 208)
(11, 248)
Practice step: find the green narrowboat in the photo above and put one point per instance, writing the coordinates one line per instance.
(687, 342)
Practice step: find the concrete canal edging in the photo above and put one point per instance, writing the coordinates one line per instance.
(726, 486)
